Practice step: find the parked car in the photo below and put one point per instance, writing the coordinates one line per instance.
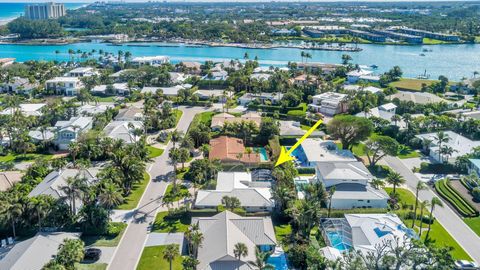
(92, 254)
(466, 265)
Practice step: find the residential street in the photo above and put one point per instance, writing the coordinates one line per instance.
(130, 248)
(446, 216)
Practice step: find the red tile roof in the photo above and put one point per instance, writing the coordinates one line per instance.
(228, 149)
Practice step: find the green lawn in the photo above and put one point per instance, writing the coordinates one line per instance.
(106, 99)
(282, 230)
(152, 258)
(407, 152)
(178, 115)
(27, 157)
(154, 152)
(132, 200)
(438, 235)
(204, 117)
(164, 224)
(411, 84)
(105, 241)
(358, 150)
(90, 266)
(429, 41)
(474, 224)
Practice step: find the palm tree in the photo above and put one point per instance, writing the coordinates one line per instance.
(109, 195)
(331, 191)
(40, 205)
(74, 149)
(435, 201)
(74, 189)
(407, 118)
(190, 263)
(420, 186)
(176, 136)
(260, 262)
(441, 138)
(396, 118)
(395, 179)
(170, 253)
(12, 210)
(240, 250)
(423, 205)
(196, 240)
(377, 183)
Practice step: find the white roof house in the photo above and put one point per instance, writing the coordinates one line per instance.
(356, 88)
(249, 97)
(167, 91)
(460, 144)
(82, 72)
(354, 75)
(223, 231)
(92, 109)
(260, 76)
(417, 97)
(117, 88)
(329, 103)
(64, 85)
(364, 233)
(27, 109)
(318, 150)
(52, 183)
(18, 85)
(254, 196)
(216, 75)
(385, 111)
(121, 130)
(177, 77)
(38, 135)
(68, 131)
(150, 60)
(35, 252)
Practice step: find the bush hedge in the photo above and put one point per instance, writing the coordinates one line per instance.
(448, 193)
(276, 108)
(304, 170)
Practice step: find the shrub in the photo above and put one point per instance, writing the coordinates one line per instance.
(296, 113)
(306, 170)
(115, 228)
(448, 193)
(426, 219)
(476, 193)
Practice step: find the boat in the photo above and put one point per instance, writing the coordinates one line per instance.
(423, 76)
(374, 66)
(422, 54)
(425, 50)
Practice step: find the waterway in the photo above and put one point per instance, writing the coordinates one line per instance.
(454, 61)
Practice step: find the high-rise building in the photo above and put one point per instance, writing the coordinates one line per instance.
(44, 11)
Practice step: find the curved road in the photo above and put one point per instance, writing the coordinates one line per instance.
(467, 238)
(130, 249)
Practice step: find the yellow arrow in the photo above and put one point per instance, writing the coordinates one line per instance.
(286, 155)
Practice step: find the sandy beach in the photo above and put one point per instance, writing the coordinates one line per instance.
(5, 21)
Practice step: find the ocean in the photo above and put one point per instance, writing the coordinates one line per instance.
(13, 10)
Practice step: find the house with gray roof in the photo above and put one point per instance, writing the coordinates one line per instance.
(123, 130)
(68, 131)
(254, 196)
(54, 182)
(223, 231)
(35, 252)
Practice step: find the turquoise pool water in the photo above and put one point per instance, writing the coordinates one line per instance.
(336, 240)
(263, 153)
(299, 155)
(279, 262)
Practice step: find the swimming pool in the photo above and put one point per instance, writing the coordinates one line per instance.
(336, 241)
(299, 155)
(262, 152)
(279, 262)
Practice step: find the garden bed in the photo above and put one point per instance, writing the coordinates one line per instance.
(465, 193)
(455, 199)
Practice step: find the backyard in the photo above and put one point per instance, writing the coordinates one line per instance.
(170, 224)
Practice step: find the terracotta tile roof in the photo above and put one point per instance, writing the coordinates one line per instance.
(227, 149)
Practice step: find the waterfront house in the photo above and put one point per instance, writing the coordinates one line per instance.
(194, 68)
(231, 150)
(68, 131)
(254, 196)
(355, 75)
(357, 88)
(329, 103)
(54, 182)
(131, 113)
(31, 109)
(150, 60)
(318, 67)
(219, 120)
(273, 98)
(223, 231)
(82, 72)
(284, 32)
(458, 143)
(363, 233)
(69, 86)
(18, 85)
(124, 130)
(33, 253)
(305, 79)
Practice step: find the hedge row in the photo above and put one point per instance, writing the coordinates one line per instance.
(341, 213)
(463, 207)
(280, 109)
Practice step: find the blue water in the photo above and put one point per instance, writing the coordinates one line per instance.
(336, 240)
(299, 155)
(13, 10)
(263, 153)
(454, 61)
(280, 262)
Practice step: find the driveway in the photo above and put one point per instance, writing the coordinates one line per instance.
(467, 238)
(130, 248)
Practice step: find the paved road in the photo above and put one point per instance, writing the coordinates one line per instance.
(468, 239)
(130, 248)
